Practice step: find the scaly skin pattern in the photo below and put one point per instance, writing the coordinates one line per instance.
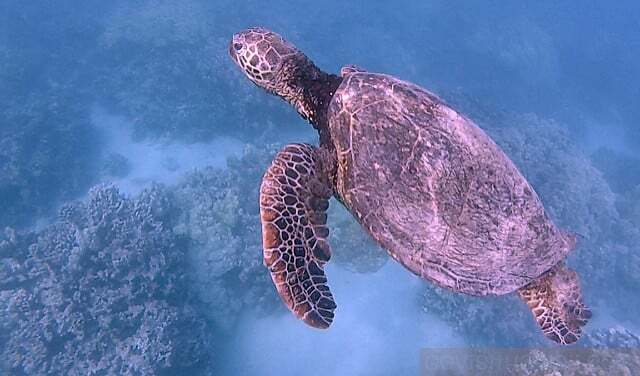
(274, 64)
(293, 202)
(556, 302)
(434, 190)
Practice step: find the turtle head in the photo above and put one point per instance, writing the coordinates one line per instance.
(277, 66)
(266, 58)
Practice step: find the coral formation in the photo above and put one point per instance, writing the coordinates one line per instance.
(220, 217)
(616, 337)
(102, 291)
(582, 362)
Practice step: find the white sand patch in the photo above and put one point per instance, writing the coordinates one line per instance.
(379, 329)
(158, 162)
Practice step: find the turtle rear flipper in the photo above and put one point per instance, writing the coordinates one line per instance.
(556, 302)
(293, 201)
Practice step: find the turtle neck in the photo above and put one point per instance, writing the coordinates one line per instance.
(309, 90)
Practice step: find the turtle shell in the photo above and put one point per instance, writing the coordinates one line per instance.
(435, 191)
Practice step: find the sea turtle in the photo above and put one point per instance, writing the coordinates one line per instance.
(422, 179)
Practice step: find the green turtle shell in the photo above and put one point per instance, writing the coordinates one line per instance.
(434, 190)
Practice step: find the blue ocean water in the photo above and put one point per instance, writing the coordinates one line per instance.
(132, 149)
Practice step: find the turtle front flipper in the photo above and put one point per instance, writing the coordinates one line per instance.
(556, 302)
(293, 201)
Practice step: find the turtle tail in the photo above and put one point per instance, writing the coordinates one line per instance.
(555, 299)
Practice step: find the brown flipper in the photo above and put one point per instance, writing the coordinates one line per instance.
(556, 302)
(293, 201)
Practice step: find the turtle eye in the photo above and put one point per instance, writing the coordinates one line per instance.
(237, 46)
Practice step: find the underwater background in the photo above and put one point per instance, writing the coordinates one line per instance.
(132, 148)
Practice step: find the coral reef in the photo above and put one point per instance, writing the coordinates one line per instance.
(601, 362)
(220, 216)
(102, 291)
(616, 337)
